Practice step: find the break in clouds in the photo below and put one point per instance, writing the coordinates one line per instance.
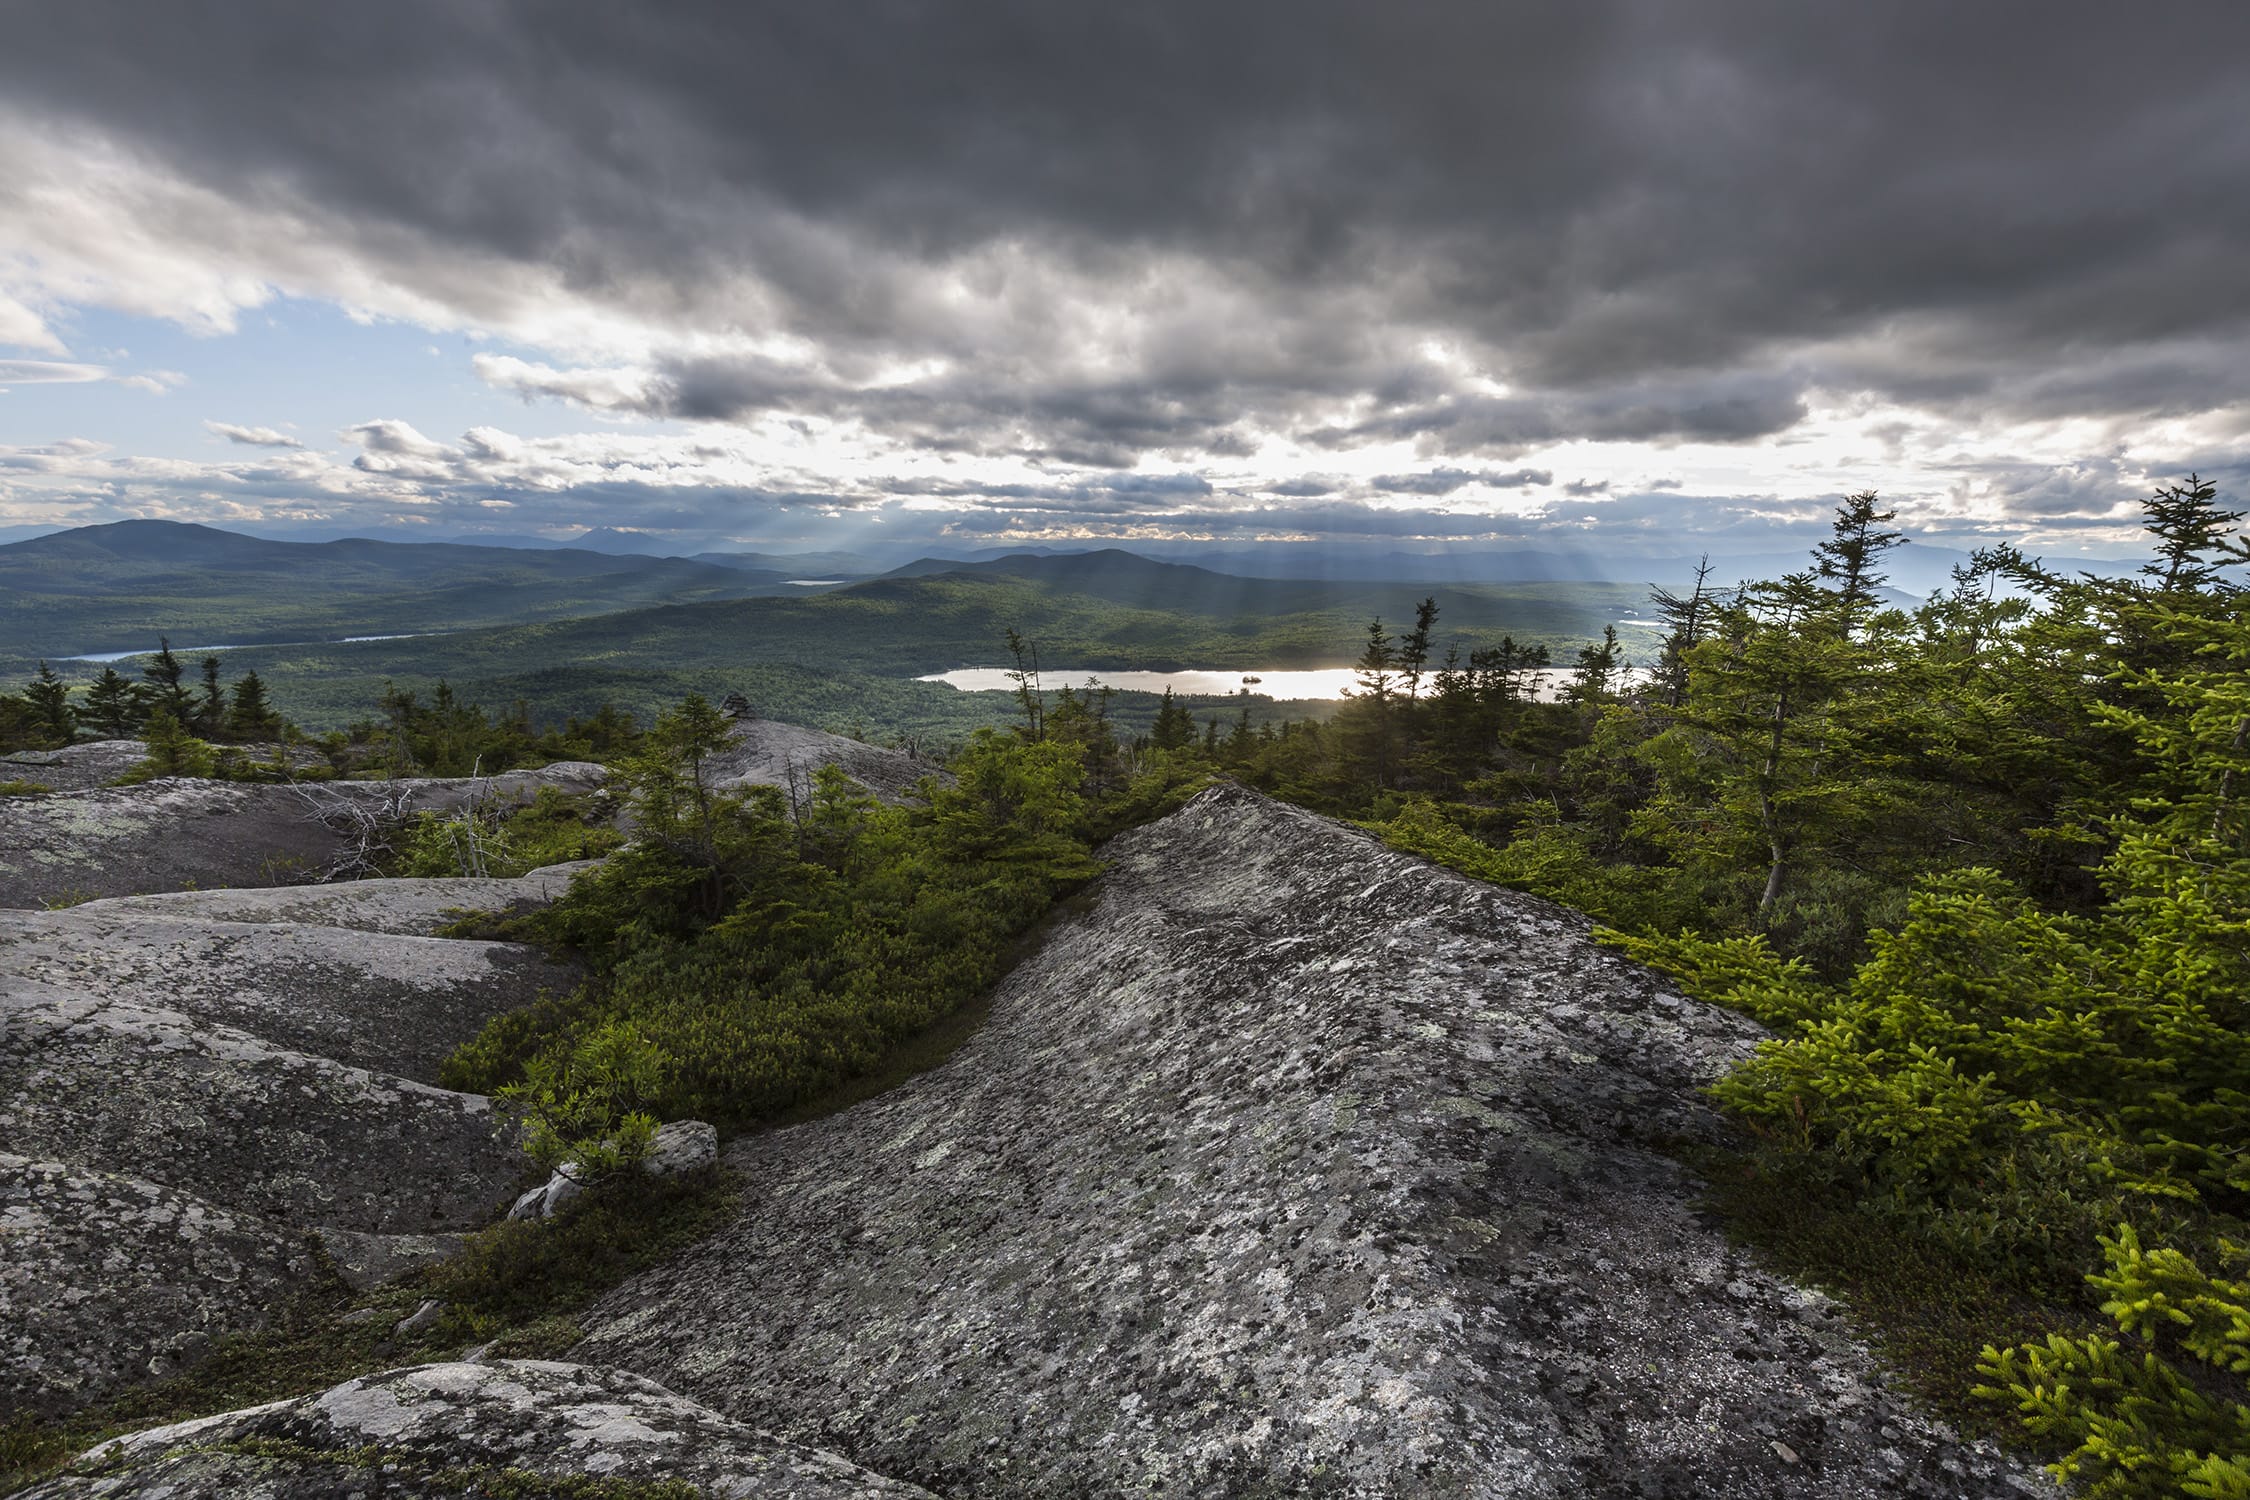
(1034, 271)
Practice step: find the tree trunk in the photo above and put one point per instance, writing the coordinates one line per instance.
(1768, 813)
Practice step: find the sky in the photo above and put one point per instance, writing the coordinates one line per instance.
(1630, 275)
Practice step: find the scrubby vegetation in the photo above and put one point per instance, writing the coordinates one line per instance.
(234, 732)
(1983, 866)
(754, 950)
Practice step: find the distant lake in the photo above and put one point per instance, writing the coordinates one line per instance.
(1285, 685)
(1324, 682)
(349, 640)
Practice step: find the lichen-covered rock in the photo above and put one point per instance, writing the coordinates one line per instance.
(74, 768)
(79, 768)
(441, 1431)
(407, 907)
(176, 833)
(681, 1146)
(1295, 1167)
(766, 753)
(258, 1085)
(209, 1110)
(107, 1278)
(367, 999)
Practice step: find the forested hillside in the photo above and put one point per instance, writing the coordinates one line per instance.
(105, 588)
(848, 657)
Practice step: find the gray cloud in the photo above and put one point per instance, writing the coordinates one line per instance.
(1635, 211)
(1446, 481)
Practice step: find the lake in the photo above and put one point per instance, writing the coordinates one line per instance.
(1284, 684)
(186, 651)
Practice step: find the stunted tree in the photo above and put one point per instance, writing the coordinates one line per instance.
(1595, 677)
(172, 750)
(1849, 560)
(2194, 538)
(1414, 650)
(1371, 702)
(1764, 682)
(1030, 700)
(671, 783)
(165, 683)
(1684, 620)
(1175, 726)
(47, 697)
(250, 717)
(1508, 673)
(210, 719)
(115, 706)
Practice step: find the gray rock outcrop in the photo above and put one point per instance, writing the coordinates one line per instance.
(175, 834)
(199, 1090)
(766, 753)
(218, 1113)
(74, 768)
(435, 1432)
(1296, 1167)
(407, 907)
(370, 1000)
(108, 1278)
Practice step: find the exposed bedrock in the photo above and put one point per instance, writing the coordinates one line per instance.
(1294, 1167)
(216, 1112)
(407, 907)
(764, 752)
(199, 1088)
(108, 1278)
(435, 1432)
(176, 833)
(373, 1000)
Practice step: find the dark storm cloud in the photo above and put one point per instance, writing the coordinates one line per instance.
(1446, 481)
(1653, 219)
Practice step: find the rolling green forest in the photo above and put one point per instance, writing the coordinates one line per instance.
(104, 588)
(845, 660)
(1982, 866)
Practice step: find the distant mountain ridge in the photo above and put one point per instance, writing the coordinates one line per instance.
(118, 586)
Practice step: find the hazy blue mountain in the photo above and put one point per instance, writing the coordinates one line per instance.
(118, 586)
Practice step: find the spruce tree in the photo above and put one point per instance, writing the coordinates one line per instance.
(1594, 679)
(2194, 538)
(1855, 547)
(210, 719)
(18, 730)
(48, 698)
(114, 708)
(1372, 702)
(250, 717)
(1684, 621)
(172, 751)
(166, 684)
(1414, 649)
(1175, 726)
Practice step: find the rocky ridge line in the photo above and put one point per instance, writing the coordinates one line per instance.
(1295, 1167)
